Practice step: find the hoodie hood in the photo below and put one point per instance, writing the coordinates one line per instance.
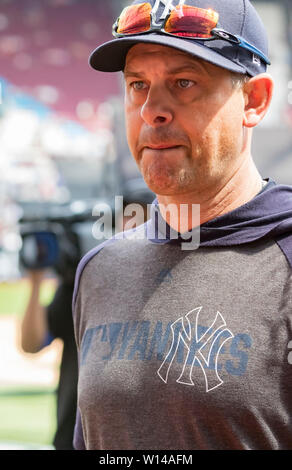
(267, 216)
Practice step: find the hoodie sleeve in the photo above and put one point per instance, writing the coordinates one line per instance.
(78, 441)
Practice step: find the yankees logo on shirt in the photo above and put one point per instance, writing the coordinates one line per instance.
(195, 346)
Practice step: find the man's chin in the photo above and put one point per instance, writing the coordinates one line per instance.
(163, 187)
(168, 183)
(161, 178)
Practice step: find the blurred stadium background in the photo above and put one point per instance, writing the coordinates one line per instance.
(62, 148)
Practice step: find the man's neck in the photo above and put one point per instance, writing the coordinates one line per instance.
(212, 201)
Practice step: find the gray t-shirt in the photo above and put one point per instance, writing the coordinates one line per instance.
(184, 349)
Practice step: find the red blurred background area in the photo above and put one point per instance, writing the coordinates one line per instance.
(44, 49)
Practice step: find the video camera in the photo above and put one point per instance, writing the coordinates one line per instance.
(56, 236)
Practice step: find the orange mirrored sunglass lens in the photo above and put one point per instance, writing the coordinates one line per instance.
(135, 19)
(191, 21)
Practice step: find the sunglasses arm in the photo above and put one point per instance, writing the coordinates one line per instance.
(254, 50)
(221, 34)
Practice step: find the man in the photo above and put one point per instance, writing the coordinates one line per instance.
(179, 348)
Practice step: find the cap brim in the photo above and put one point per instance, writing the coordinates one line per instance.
(111, 56)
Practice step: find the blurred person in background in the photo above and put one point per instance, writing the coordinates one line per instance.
(40, 326)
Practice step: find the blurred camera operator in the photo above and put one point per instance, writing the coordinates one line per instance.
(40, 326)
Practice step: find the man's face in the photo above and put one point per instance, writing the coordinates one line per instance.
(184, 120)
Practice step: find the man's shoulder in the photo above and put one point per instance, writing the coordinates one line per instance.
(115, 244)
(93, 253)
(124, 242)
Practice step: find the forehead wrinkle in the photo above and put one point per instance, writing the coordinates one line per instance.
(190, 63)
(172, 71)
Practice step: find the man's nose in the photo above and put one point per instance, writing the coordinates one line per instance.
(156, 111)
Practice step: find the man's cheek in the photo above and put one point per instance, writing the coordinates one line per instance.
(133, 140)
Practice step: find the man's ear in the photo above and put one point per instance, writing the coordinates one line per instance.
(258, 92)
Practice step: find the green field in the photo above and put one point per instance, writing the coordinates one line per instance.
(27, 417)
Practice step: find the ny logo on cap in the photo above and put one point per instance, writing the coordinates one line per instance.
(168, 6)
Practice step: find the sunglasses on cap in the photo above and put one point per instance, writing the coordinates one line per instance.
(183, 21)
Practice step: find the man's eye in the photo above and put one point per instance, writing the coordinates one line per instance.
(138, 86)
(184, 83)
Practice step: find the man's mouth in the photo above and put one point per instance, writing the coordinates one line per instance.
(162, 146)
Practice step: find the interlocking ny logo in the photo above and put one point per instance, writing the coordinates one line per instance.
(203, 349)
(168, 4)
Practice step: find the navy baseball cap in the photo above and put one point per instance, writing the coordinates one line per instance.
(237, 17)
